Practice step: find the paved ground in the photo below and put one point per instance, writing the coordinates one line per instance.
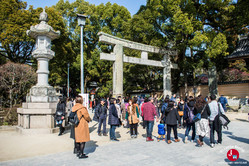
(138, 152)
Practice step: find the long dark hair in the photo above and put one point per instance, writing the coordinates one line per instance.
(200, 102)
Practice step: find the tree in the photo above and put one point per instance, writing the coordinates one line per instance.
(15, 81)
(109, 18)
(15, 45)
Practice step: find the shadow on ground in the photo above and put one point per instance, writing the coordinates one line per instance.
(234, 137)
(91, 146)
(243, 120)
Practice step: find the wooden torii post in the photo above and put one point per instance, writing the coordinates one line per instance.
(119, 58)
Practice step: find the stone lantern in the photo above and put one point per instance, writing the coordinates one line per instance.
(37, 114)
(44, 34)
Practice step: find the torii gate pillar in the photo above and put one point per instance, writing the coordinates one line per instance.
(118, 71)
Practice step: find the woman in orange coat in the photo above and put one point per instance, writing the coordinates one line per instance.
(82, 134)
(133, 117)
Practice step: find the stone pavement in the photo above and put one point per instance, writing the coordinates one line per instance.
(138, 152)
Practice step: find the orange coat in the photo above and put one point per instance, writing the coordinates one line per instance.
(133, 117)
(82, 133)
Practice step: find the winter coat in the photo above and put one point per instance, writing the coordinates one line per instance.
(82, 133)
(113, 116)
(161, 129)
(206, 112)
(223, 101)
(101, 111)
(60, 111)
(172, 116)
(133, 118)
(149, 111)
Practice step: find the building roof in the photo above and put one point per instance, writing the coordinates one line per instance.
(242, 49)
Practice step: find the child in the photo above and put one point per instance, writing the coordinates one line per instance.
(161, 131)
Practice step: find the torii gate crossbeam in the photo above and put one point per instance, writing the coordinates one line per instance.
(119, 58)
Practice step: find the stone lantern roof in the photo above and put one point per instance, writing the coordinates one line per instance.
(43, 29)
(242, 49)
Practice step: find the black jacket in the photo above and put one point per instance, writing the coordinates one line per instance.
(101, 111)
(206, 113)
(172, 116)
(60, 110)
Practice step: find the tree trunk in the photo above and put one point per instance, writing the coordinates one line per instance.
(212, 80)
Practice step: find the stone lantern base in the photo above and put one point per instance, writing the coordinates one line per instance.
(34, 118)
(37, 114)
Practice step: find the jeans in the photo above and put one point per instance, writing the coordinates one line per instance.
(133, 129)
(169, 127)
(102, 121)
(188, 127)
(219, 133)
(112, 132)
(149, 128)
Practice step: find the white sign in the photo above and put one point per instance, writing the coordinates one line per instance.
(85, 100)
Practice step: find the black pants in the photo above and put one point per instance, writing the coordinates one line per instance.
(174, 127)
(219, 133)
(133, 129)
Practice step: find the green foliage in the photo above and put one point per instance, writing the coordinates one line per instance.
(218, 46)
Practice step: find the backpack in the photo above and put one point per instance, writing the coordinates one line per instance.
(164, 107)
(190, 114)
(73, 118)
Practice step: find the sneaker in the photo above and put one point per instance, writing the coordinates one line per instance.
(115, 139)
(105, 134)
(186, 139)
(177, 140)
(149, 139)
(169, 141)
(135, 136)
(99, 134)
(212, 145)
(132, 136)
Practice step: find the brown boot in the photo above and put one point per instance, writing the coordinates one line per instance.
(199, 142)
(177, 140)
(169, 142)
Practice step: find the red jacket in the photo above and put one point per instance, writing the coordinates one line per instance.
(149, 111)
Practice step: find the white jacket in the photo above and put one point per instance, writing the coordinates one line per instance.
(213, 106)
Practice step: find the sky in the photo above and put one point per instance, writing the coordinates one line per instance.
(132, 5)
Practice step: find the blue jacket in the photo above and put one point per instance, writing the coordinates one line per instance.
(161, 129)
(223, 101)
(113, 116)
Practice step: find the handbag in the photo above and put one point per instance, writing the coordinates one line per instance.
(180, 113)
(197, 117)
(224, 121)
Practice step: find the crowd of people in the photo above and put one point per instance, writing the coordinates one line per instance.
(170, 114)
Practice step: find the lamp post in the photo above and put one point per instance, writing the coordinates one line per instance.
(81, 22)
(68, 86)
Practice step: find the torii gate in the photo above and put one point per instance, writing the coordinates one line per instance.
(119, 58)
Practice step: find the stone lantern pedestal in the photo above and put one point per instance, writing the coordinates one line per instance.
(37, 114)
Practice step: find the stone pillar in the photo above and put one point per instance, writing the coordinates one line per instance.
(113, 79)
(118, 71)
(37, 115)
(166, 76)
